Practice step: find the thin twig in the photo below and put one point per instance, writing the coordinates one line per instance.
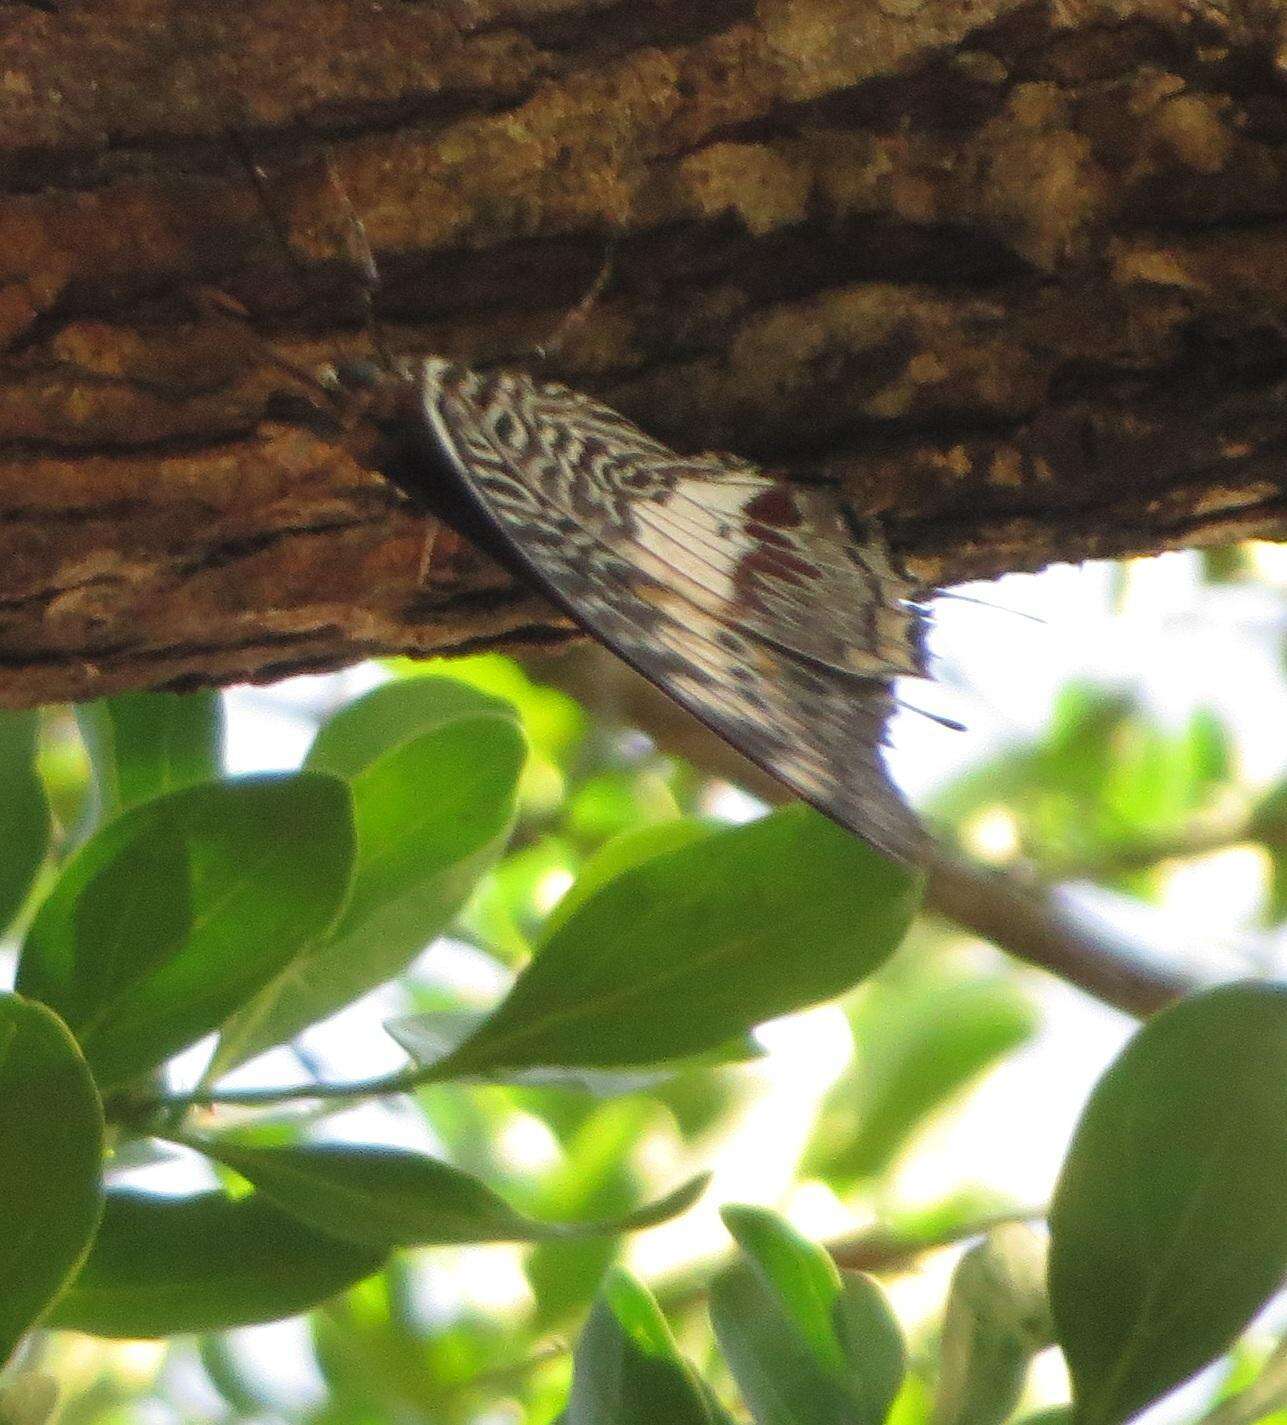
(878, 1250)
(404, 1081)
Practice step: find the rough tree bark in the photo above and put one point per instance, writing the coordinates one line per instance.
(1015, 274)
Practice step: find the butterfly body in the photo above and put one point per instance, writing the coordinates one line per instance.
(751, 601)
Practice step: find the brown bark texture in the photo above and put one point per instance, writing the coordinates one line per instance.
(1013, 274)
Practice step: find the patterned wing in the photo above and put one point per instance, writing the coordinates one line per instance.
(748, 600)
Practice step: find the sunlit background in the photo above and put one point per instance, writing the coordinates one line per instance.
(1181, 660)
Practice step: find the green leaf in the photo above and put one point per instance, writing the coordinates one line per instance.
(181, 909)
(626, 1368)
(143, 745)
(392, 715)
(778, 1373)
(800, 1274)
(805, 1342)
(433, 812)
(162, 1265)
(697, 945)
(625, 851)
(51, 1148)
(1169, 1223)
(872, 1344)
(996, 1321)
(386, 1197)
(24, 812)
(918, 1043)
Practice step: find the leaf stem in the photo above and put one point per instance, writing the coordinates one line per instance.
(404, 1081)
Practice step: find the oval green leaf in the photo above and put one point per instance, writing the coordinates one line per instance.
(432, 813)
(626, 1369)
(800, 1274)
(51, 1148)
(697, 945)
(387, 1197)
(181, 909)
(1168, 1229)
(805, 1341)
(143, 745)
(777, 1372)
(996, 1321)
(162, 1265)
(24, 812)
(392, 715)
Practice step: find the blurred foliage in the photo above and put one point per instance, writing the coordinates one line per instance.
(581, 1042)
(1105, 779)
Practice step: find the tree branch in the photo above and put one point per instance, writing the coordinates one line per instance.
(1037, 924)
(1009, 272)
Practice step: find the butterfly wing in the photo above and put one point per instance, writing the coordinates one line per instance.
(748, 600)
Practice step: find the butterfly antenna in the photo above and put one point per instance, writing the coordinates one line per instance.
(359, 247)
(258, 177)
(949, 722)
(213, 303)
(987, 604)
(577, 315)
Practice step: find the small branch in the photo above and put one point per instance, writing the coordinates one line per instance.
(881, 1250)
(878, 1249)
(404, 1081)
(1036, 924)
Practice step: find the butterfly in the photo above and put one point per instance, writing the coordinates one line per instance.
(757, 604)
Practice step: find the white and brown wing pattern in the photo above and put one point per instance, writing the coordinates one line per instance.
(749, 600)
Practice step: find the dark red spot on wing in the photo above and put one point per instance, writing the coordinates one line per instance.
(756, 529)
(773, 564)
(775, 507)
